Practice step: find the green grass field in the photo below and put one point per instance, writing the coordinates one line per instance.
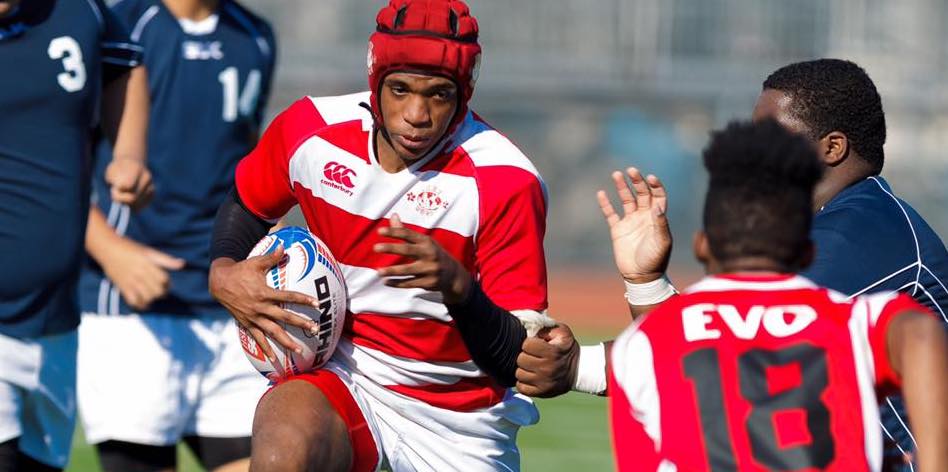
(572, 435)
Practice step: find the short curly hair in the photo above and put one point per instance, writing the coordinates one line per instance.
(835, 95)
(760, 196)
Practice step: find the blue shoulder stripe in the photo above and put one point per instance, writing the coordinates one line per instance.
(143, 21)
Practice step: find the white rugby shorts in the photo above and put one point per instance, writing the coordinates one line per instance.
(410, 435)
(152, 379)
(38, 395)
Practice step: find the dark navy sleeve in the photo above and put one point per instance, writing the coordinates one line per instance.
(128, 12)
(829, 268)
(862, 250)
(119, 52)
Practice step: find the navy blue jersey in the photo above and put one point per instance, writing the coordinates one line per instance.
(208, 83)
(869, 240)
(53, 55)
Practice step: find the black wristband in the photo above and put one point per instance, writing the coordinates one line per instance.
(493, 336)
(236, 229)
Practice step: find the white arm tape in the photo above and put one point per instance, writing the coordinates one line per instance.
(591, 371)
(649, 293)
(533, 321)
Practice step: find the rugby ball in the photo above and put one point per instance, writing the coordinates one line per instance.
(306, 267)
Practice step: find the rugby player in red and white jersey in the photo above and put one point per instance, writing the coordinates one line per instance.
(755, 367)
(412, 193)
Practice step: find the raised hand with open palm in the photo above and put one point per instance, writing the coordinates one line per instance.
(641, 238)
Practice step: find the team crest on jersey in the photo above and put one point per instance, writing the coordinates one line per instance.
(202, 50)
(428, 200)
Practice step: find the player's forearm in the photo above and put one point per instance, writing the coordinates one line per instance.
(643, 297)
(918, 348)
(236, 230)
(125, 108)
(99, 235)
(491, 334)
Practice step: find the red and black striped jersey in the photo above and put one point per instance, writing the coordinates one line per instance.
(754, 373)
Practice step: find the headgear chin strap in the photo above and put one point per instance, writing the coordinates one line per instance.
(437, 37)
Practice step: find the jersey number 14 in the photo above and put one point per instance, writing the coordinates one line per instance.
(243, 102)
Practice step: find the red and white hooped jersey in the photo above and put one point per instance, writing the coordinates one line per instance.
(480, 198)
(754, 373)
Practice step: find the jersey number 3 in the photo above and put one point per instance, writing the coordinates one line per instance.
(67, 49)
(704, 368)
(246, 102)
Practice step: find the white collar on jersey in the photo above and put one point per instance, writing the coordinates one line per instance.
(199, 28)
(721, 283)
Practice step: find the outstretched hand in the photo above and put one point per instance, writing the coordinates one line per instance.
(641, 238)
(433, 268)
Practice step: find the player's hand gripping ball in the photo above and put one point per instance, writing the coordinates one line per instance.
(307, 267)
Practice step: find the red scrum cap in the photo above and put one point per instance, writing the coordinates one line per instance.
(431, 36)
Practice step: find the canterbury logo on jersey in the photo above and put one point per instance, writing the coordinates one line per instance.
(338, 177)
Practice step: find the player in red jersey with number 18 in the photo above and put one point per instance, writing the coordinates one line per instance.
(757, 368)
